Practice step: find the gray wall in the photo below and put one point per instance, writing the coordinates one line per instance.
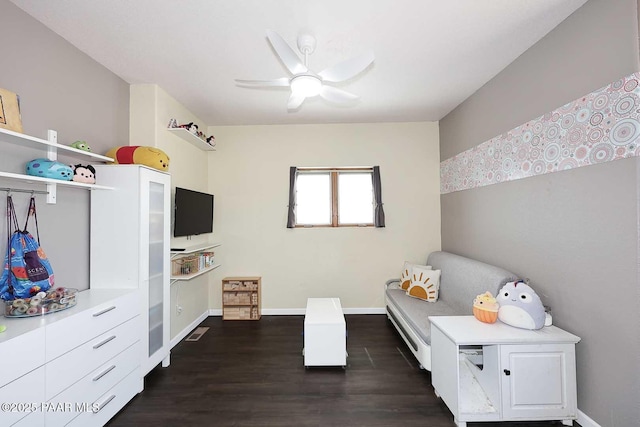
(62, 89)
(573, 233)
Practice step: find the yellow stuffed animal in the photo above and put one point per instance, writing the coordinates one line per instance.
(140, 155)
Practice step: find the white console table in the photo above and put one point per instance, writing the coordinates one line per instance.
(325, 333)
(495, 372)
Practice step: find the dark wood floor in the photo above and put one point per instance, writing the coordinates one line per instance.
(246, 373)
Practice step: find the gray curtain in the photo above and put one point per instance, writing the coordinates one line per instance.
(291, 217)
(378, 214)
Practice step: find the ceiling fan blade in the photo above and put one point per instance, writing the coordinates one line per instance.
(263, 83)
(295, 101)
(347, 69)
(286, 54)
(336, 95)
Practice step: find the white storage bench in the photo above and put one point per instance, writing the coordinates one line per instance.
(325, 333)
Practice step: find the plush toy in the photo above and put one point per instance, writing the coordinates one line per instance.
(45, 168)
(81, 145)
(86, 174)
(191, 127)
(485, 308)
(520, 306)
(211, 141)
(133, 154)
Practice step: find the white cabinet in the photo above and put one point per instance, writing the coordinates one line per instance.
(130, 247)
(495, 372)
(79, 358)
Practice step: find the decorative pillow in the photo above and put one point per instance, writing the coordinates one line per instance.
(424, 283)
(405, 277)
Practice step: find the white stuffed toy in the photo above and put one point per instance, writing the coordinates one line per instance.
(520, 306)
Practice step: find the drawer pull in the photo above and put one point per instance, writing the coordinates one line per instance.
(105, 372)
(105, 403)
(100, 344)
(106, 310)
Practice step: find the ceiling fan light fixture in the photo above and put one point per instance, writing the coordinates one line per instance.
(306, 85)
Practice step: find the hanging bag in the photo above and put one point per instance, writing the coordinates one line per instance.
(27, 270)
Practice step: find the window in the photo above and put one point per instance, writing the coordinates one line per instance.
(334, 197)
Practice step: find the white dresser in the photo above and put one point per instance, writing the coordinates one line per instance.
(77, 367)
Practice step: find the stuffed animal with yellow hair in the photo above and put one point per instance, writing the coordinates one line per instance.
(140, 155)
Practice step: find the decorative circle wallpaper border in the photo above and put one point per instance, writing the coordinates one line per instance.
(596, 128)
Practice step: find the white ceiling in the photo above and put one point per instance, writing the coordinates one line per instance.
(430, 54)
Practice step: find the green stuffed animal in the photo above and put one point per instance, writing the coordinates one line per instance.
(81, 145)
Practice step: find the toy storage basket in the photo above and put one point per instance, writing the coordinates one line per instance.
(55, 300)
(185, 265)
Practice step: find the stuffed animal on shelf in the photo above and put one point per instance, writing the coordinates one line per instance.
(81, 145)
(520, 306)
(46, 168)
(140, 155)
(85, 174)
(191, 127)
(211, 141)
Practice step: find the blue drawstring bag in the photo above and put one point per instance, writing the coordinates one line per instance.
(27, 270)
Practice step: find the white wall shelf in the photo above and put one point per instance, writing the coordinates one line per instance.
(20, 138)
(191, 276)
(37, 179)
(53, 149)
(191, 139)
(194, 248)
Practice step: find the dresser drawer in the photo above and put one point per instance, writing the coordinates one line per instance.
(111, 402)
(72, 366)
(27, 392)
(27, 350)
(69, 333)
(92, 386)
(34, 419)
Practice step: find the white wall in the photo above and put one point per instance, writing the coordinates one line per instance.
(249, 175)
(151, 109)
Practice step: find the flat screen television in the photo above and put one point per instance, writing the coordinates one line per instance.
(193, 213)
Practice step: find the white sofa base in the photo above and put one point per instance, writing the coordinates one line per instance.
(420, 349)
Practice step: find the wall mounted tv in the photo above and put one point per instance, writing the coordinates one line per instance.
(193, 213)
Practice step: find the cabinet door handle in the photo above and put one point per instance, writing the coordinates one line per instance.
(106, 310)
(507, 372)
(105, 403)
(100, 344)
(105, 372)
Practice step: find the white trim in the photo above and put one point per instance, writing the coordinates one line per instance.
(301, 311)
(369, 310)
(585, 421)
(283, 311)
(186, 331)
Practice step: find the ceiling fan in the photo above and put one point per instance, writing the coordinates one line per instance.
(303, 82)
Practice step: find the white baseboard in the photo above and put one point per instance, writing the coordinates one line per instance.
(585, 421)
(301, 311)
(186, 331)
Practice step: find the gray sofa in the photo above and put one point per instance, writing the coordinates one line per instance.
(461, 280)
